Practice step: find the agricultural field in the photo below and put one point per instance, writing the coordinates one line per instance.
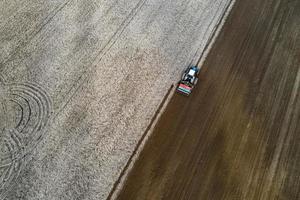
(80, 81)
(237, 136)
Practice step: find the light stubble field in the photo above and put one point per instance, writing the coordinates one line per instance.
(80, 81)
(237, 136)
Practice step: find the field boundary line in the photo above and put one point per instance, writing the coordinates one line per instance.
(139, 147)
(118, 185)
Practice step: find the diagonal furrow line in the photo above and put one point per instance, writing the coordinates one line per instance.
(80, 81)
(34, 33)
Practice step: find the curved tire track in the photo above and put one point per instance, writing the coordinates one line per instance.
(32, 107)
(12, 167)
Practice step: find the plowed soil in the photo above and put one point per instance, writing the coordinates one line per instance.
(238, 135)
(80, 81)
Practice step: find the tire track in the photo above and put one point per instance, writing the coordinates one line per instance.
(34, 33)
(18, 140)
(11, 169)
(225, 146)
(26, 112)
(80, 81)
(36, 106)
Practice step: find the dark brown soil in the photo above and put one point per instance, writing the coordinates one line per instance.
(238, 135)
